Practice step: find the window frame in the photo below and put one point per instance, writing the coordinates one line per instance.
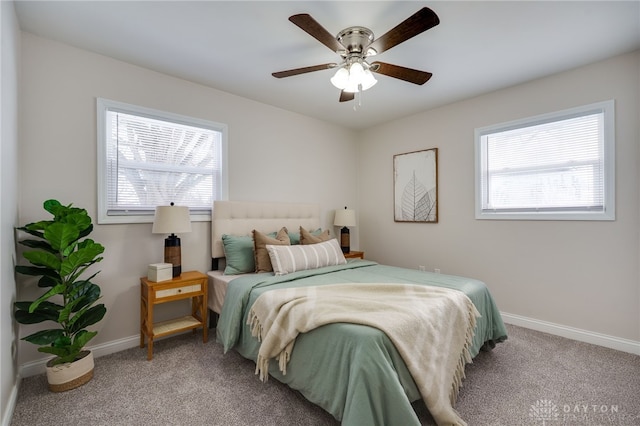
(604, 107)
(102, 107)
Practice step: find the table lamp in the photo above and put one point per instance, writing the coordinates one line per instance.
(345, 218)
(172, 220)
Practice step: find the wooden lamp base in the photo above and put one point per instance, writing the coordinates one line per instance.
(172, 254)
(344, 240)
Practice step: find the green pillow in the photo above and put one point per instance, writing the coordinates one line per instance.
(295, 236)
(238, 251)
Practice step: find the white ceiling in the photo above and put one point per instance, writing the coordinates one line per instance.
(234, 46)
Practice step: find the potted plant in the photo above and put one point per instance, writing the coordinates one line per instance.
(60, 255)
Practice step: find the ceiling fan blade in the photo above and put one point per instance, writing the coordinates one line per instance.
(317, 31)
(417, 23)
(347, 96)
(304, 70)
(396, 71)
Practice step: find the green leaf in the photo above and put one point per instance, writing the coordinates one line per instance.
(62, 342)
(86, 231)
(47, 311)
(52, 206)
(65, 312)
(49, 281)
(35, 228)
(43, 258)
(61, 235)
(71, 352)
(79, 218)
(38, 244)
(24, 317)
(44, 337)
(82, 338)
(36, 272)
(88, 317)
(58, 289)
(62, 354)
(85, 254)
(86, 291)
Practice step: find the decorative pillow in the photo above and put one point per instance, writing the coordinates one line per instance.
(238, 251)
(295, 236)
(287, 259)
(263, 263)
(307, 237)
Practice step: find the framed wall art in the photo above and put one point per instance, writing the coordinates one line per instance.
(415, 186)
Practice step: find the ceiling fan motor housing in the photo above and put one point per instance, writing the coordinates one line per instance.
(355, 40)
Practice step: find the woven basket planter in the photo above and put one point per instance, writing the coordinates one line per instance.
(70, 375)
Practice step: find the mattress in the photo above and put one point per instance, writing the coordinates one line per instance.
(218, 283)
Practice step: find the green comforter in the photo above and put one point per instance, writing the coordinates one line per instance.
(352, 371)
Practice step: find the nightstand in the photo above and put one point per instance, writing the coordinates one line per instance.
(354, 255)
(189, 285)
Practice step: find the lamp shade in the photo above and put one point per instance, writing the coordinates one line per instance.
(346, 217)
(171, 220)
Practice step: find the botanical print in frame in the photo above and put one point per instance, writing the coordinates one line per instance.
(415, 186)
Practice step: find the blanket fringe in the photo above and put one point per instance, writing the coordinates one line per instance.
(254, 323)
(262, 363)
(465, 356)
(284, 357)
(262, 368)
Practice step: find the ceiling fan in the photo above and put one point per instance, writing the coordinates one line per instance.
(356, 44)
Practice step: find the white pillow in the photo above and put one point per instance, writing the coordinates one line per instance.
(287, 259)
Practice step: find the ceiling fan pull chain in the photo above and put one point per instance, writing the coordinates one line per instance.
(358, 103)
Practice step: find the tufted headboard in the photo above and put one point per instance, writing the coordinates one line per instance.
(242, 217)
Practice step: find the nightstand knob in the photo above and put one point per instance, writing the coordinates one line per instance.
(179, 290)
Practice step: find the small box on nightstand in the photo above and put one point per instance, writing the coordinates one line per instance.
(160, 272)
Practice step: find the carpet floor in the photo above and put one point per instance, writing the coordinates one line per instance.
(532, 378)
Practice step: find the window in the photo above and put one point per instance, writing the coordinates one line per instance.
(558, 166)
(148, 158)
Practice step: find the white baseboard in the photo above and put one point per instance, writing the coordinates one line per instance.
(594, 338)
(11, 404)
(39, 366)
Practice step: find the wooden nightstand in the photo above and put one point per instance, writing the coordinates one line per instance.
(191, 285)
(354, 255)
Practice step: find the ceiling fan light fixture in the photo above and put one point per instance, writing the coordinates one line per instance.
(341, 78)
(352, 87)
(354, 78)
(368, 80)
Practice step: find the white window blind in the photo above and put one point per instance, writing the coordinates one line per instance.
(150, 158)
(557, 166)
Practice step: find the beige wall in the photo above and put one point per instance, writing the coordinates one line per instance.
(274, 155)
(9, 71)
(575, 274)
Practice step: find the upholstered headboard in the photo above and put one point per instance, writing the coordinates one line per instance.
(242, 217)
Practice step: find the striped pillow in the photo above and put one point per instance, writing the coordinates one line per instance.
(287, 259)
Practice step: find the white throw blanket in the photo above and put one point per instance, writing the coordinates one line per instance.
(431, 327)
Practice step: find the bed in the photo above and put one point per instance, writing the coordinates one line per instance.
(353, 371)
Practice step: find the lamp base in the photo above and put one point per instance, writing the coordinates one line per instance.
(344, 240)
(172, 254)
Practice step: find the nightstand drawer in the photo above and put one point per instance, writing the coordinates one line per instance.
(179, 290)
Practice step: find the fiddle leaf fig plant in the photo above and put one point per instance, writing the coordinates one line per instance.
(60, 256)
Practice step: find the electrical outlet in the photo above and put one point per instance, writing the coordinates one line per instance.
(421, 267)
(436, 270)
